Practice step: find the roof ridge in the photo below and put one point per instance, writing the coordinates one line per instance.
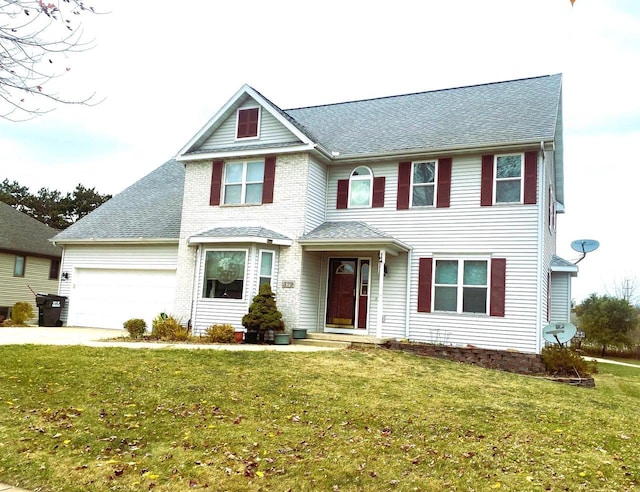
(423, 92)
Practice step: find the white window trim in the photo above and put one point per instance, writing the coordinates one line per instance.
(243, 183)
(273, 268)
(238, 123)
(496, 179)
(361, 178)
(459, 285)
(435, 183)
(204, 271)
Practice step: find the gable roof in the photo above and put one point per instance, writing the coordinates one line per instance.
(24, 234)
(495, 114)
(150, 209)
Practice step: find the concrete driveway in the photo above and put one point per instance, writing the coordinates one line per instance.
(103, 337)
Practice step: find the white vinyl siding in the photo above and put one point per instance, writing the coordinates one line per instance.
(464, 228)
(111, 264)
(560, 296)
(316, 202)
(311, 314)
(271, 131)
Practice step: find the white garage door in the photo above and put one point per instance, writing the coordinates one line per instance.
(107, 298)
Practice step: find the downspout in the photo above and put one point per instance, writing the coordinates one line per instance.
(382, 256)
(541, 242)
(194, 290)
(407, 310)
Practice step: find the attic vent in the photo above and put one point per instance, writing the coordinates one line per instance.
(248, 122)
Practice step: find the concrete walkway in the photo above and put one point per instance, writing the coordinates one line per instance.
(102, 337)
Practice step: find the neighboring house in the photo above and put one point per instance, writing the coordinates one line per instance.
(28, 261)
(428, 216)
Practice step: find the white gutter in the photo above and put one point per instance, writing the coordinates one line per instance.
(139, 240)
(540, 253)
(407, 308)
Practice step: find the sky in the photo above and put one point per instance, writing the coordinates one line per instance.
(161, 70)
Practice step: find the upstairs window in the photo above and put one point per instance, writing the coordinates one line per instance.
(423, 184)
(248, 123)
(19, 266)
(509, 178)
(360, 187)
(243, 182)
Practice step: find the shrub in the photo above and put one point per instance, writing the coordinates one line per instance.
(220, 333)
(563, 361)
(21, 313)
(263, 312)
(135, 326)
(165, 327)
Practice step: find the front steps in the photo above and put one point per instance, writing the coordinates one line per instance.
(340, 341)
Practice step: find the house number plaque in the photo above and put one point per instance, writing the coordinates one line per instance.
(288, 284)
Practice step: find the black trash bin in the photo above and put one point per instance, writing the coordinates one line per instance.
(50, 309)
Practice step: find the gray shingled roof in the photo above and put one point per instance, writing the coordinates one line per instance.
(24, 234)
(151, 208)
(351, 230)
(510, 112)
(560, 264)
(257, 232)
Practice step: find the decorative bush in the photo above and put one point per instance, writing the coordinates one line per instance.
(263, 313)
(165, 327)
(21, 313)
(135, 327)
(564, 361)
(220, 333)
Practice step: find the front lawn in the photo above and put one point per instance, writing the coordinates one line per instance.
(80, 418)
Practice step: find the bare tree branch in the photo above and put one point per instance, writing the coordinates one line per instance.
(35, 38)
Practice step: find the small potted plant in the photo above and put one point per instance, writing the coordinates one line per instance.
(263, 315)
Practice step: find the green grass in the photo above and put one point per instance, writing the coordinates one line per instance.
(80, 418)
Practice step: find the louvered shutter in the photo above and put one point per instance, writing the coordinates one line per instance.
(530, 177)
(425, 270)
(216, 183)
(269, 178)
(486, 181)
(343, 194)
(498, 286)
(444, 183)
(378, 191)
(404, 185)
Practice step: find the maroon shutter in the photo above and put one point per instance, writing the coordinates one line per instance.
(444, 183)
(343, 194)
(216, 183)
(425, 269)
(498, 282)
(404, 185)
(248, 122)
(486, 186)
(269, 177)
(530, 177)
(378, 191)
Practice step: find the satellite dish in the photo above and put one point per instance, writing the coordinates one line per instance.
(560, 332)
(584, 246)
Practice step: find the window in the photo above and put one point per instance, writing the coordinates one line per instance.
(360, 187)
(423, 184)
(54, 269)
(509, 178)
(19, 266)
(266, 268)
(243, 182)
(248, 123)
(461, 286)
(224, 274)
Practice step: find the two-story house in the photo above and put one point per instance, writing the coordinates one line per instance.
(29, 263)
(427, 216)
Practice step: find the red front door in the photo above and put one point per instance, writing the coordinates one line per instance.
(341, 299)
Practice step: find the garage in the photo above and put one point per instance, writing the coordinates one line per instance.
(106, 298)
